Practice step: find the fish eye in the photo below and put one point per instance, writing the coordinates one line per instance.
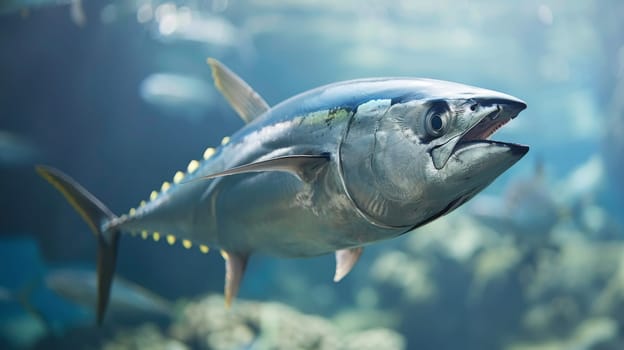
(436, 121)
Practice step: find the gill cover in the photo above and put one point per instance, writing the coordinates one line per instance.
(386, 163)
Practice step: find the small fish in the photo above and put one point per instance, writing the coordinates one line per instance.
(174, 24)
(79, 286)
(6, 295)
(36, 281)
(327, 171)
(16, 150)
(76, 9)
(528, 209)
(8, 6)
(23, 297)
(177, 94)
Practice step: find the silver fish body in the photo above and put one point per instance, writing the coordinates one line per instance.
(329, 170)
(278, 214)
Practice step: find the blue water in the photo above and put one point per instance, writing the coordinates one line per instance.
(74, 95)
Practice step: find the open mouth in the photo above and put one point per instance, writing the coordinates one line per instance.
(489, 124)
(503, 112)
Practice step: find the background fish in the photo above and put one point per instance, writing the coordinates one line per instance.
(128, 299)
(178, 95)
(17, 150)
(29, 293)
(76, 10)
(528, 209)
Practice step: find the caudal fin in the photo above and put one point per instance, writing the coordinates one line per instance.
(95, 214)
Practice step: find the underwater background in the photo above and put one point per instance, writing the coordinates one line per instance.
(118, 94)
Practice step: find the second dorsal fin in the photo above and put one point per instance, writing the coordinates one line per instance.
(245, 101)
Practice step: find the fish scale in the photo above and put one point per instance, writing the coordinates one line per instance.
(327, 171)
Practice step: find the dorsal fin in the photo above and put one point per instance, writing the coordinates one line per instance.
(345, 260)
(303, 167)
(245, 101)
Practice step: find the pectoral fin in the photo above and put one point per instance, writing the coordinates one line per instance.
(245, 101)
(345, 260)
(235, 264)
(304, 167)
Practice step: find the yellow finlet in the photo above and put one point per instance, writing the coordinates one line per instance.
(165, 187)
(224, 254)
(153, 195)
(225, 140)
(204, 248)
(142, 204)
(144, 234)
(192, 166)
(209, 152)
(132, 212)
(156, 236)
(187, 244)
(171, 239)
(178, 177)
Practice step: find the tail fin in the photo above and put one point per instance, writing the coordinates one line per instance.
(95, 214)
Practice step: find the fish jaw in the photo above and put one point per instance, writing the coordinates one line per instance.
(475, 164)
(494, 113)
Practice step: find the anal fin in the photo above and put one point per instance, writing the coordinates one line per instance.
(235, 264)
(345, 260)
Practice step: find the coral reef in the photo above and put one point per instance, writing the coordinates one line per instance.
(477, 283)
(207, 324)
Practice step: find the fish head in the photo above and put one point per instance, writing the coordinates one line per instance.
(409, 159)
